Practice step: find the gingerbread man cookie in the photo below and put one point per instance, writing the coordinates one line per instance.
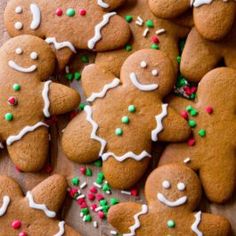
(201, 55)
(148, 31)
(69, 25)
(211, 150)
(173, 193)
(35, 213)
(26, 100)
(124, 117)
(212, 18)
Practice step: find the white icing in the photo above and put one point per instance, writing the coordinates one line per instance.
(34, 55)
(106, 18)
(1, 145)
(159, 119)
(61, 231)
(13, 138)
(166, 184)
(155, 72)
(105, 89)
(137, 223)
(5, 204)
(61, 45)
(128, 155)
(18, 68)
(181, 186)
(18, 25)
(160, 31)
(45, 94)
(195, 225)
(42, 207)
(198, 3)
(19, 51)
(36, 21)
(93, 135)
(102, 4)
(169, 203)
(143, 64)
(142, 87)
(19, 10)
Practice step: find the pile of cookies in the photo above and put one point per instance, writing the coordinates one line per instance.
(145, 52)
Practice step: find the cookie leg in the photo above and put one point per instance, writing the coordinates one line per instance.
(31, 151)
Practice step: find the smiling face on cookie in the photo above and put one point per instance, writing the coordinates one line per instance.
(34, 58)
(149, 71)
(173, 186)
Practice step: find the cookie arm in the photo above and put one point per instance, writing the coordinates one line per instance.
(121, 216)
(62, 99)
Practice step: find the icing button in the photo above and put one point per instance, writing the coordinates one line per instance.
(16, 224)
(171, 224)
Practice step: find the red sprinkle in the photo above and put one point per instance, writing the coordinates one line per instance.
(59, 12)
(209, 110)
(73, 191)
(191, 142)
(155, 39)
(99, 197)
(83, 205)
(80, 201)
(134, 192)
(16, 224)
(91, 196)
(187, 90)
(101, 215)
(22, 234)
(82, 12)
(93, 189)
(12, 101)
(83, 170)
(184, 114)
(93, 207)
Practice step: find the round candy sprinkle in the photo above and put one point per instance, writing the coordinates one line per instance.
(114, 201)
(98, 163)
(8, 116)
(128, 18)
(202, 132)
(16, 224)
(59, 12)
(209, 110)
(88, 172)
(155, 39)
(155, 46)
(22, 234)
(189, 108)
(178, 59)
(75, 181)
(149, 24)
(70, 12)
(192, 123)
(191, 142)
(12, 101)
(125, 120)
(82, 12)
(119, 132)
(87, 218)
(193, 112)
(184, 114)
(101, 215)
(128, 47)
(170, 224)
(132, 108)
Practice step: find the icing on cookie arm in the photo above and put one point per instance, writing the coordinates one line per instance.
(5, 203)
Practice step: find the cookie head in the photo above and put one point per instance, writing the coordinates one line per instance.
(28, 55)
(149, 71)
(22, 17)
(173, 186)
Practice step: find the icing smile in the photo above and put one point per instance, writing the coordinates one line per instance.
(176, 203)
(36, 16)
(16, 67)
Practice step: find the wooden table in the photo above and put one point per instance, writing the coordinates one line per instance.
(71, 211)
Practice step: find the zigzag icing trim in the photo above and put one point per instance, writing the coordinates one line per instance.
(195, 225)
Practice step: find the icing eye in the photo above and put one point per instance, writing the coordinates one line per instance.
(34, 55)
(155, 72)
(18, 25)
(166, 184)
(19, 10)
(19, 51)
(181, 186)
(143, 64)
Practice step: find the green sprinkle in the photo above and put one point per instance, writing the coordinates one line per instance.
(75, 181)
(193, 112)
(170, 224)
(125, 120)
(189, 108)
(202, 132)
(132, 108)
(178, 59)
(16, 87)
(88, 172)
(181, 81)
(103, 202)
(193, 96)
(128, 18)
(101, 175)
(85, 211)
(82, 106)
(99, 180)
(88, 218)
(119, 132)
(106, 187)
(8, 116)
(128, 47)
(98, 163)
(70, 12)
(84, 59)
(149, 24)
(69, 76)
(105, 208)
(77, 75)
(114, 201)
(192, 123)
(155, 46)
(182, 44)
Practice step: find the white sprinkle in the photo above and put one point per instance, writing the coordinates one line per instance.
(81, 214)
(108, 192)
(83, 185)
(80, 197)
(95, 224)
(84, 218)
(187, 160)
(126, 192)
(145, 33)
(97, 185)
(67, 69)
(113, 232)
(140, 19)
(160, 31)
(98, 209)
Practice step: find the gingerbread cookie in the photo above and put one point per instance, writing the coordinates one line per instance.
(69, 25)
(148, 31)
(212, 18)
(34, 214)
(173, 193)
(124, 117)
(201, 55)
(26, 61)
(211, 150)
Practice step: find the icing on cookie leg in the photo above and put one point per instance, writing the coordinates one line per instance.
(196, 223)
(61, 229)
(5, 203)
